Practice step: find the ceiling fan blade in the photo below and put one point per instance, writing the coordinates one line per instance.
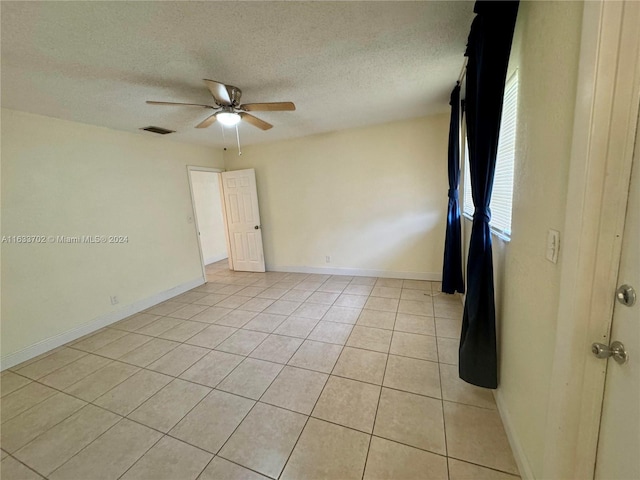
(151, 102)
(268, 107)
(219, 91)
(255, 121)
(207, 121)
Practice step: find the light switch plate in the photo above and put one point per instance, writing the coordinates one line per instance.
(553, 245)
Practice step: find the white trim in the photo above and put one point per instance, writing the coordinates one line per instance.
(601, 156)
(358, 272)
(526, 473)
(97, 323)
(216, 258)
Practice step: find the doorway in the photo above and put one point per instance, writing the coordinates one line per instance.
(209, 216)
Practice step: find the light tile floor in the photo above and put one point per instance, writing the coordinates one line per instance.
(255, 376)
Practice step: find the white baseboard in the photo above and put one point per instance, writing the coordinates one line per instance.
(216, 258)
(516, 447)
(358, 272)
(97, 323)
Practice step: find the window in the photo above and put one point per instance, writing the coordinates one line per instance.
(502, 196)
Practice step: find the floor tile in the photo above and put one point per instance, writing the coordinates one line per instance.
(265, 322)
(211, 336)
(477, 435)
(273, 293)
(231, 289)
(22, 400)
(316, 356)
(311, 310)
(295, 389)
(213, 420)
(354, 289)
(211, 314)
(331, 286)
(158, 327)
(131, 393)
(51, 363)
(251, 291)
(189, 297)
(381, 303)
(178, 360)
(99, 340)
(448, 310)
(415, 346)
(370, 281)
(135, 322)
(297, 295)
(448, 350)
(251, 378)
(184, 331)
(188, 311)
(342, 315)
(282, 307)
(264, 440)
(413, 375)
(448, 327)
(419, 295)
(330, 332)
(70, 374)
(308, 285)
(324, 297)
(167, 407)
(391, 460)
(277, 348)
(10, 468)
(10, 382)
(243, 342)
(416, 307)
(349, 403)
(256, 304)
(169, 459)
(465, 471)
(363, 365)
(234, 301)
(221, 469)
(60, 443)
(351, 301)
(370, 339)
(377, 319)
(389, 282)
(420, 324)
(236, 318)
(211, 299)
(417, 285)
(123, 345)
(212, 368)
(101, 381)
(411, 419)
(386, 292)
(296, 327)
(457, 390)
(149, 352)
(327, 452)
(165, 308)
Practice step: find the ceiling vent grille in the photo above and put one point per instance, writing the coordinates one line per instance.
(158, 130)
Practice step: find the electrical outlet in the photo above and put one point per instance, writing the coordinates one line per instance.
(114, 300)
(327, 259)
(553, 245)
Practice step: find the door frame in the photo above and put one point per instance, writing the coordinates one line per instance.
(606, 113)
(192, 168)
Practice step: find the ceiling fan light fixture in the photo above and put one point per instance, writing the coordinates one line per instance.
(228, 119)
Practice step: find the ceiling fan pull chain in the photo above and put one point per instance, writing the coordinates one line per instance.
(238, 137)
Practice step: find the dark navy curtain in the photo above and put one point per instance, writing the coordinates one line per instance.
(452, 281)
(488, 51)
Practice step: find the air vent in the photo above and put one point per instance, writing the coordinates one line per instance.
(158, 130)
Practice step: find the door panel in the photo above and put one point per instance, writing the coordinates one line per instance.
(618, 455)
(243, 220)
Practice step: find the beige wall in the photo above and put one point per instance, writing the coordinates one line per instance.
(208, 203)
(374, 199)
(65, 178)
(546, 49)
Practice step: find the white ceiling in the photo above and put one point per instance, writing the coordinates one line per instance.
(344, 64)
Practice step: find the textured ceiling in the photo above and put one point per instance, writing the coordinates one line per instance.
(344, 64)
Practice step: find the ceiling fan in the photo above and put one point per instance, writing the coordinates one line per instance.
(229, 111)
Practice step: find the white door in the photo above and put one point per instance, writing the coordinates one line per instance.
(618, 455)
(243, 220)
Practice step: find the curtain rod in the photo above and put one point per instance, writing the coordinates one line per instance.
(463, 71)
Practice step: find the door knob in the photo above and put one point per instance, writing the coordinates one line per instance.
(615, 350)
(257, 227)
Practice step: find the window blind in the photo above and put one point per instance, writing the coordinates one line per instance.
(502, 195)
